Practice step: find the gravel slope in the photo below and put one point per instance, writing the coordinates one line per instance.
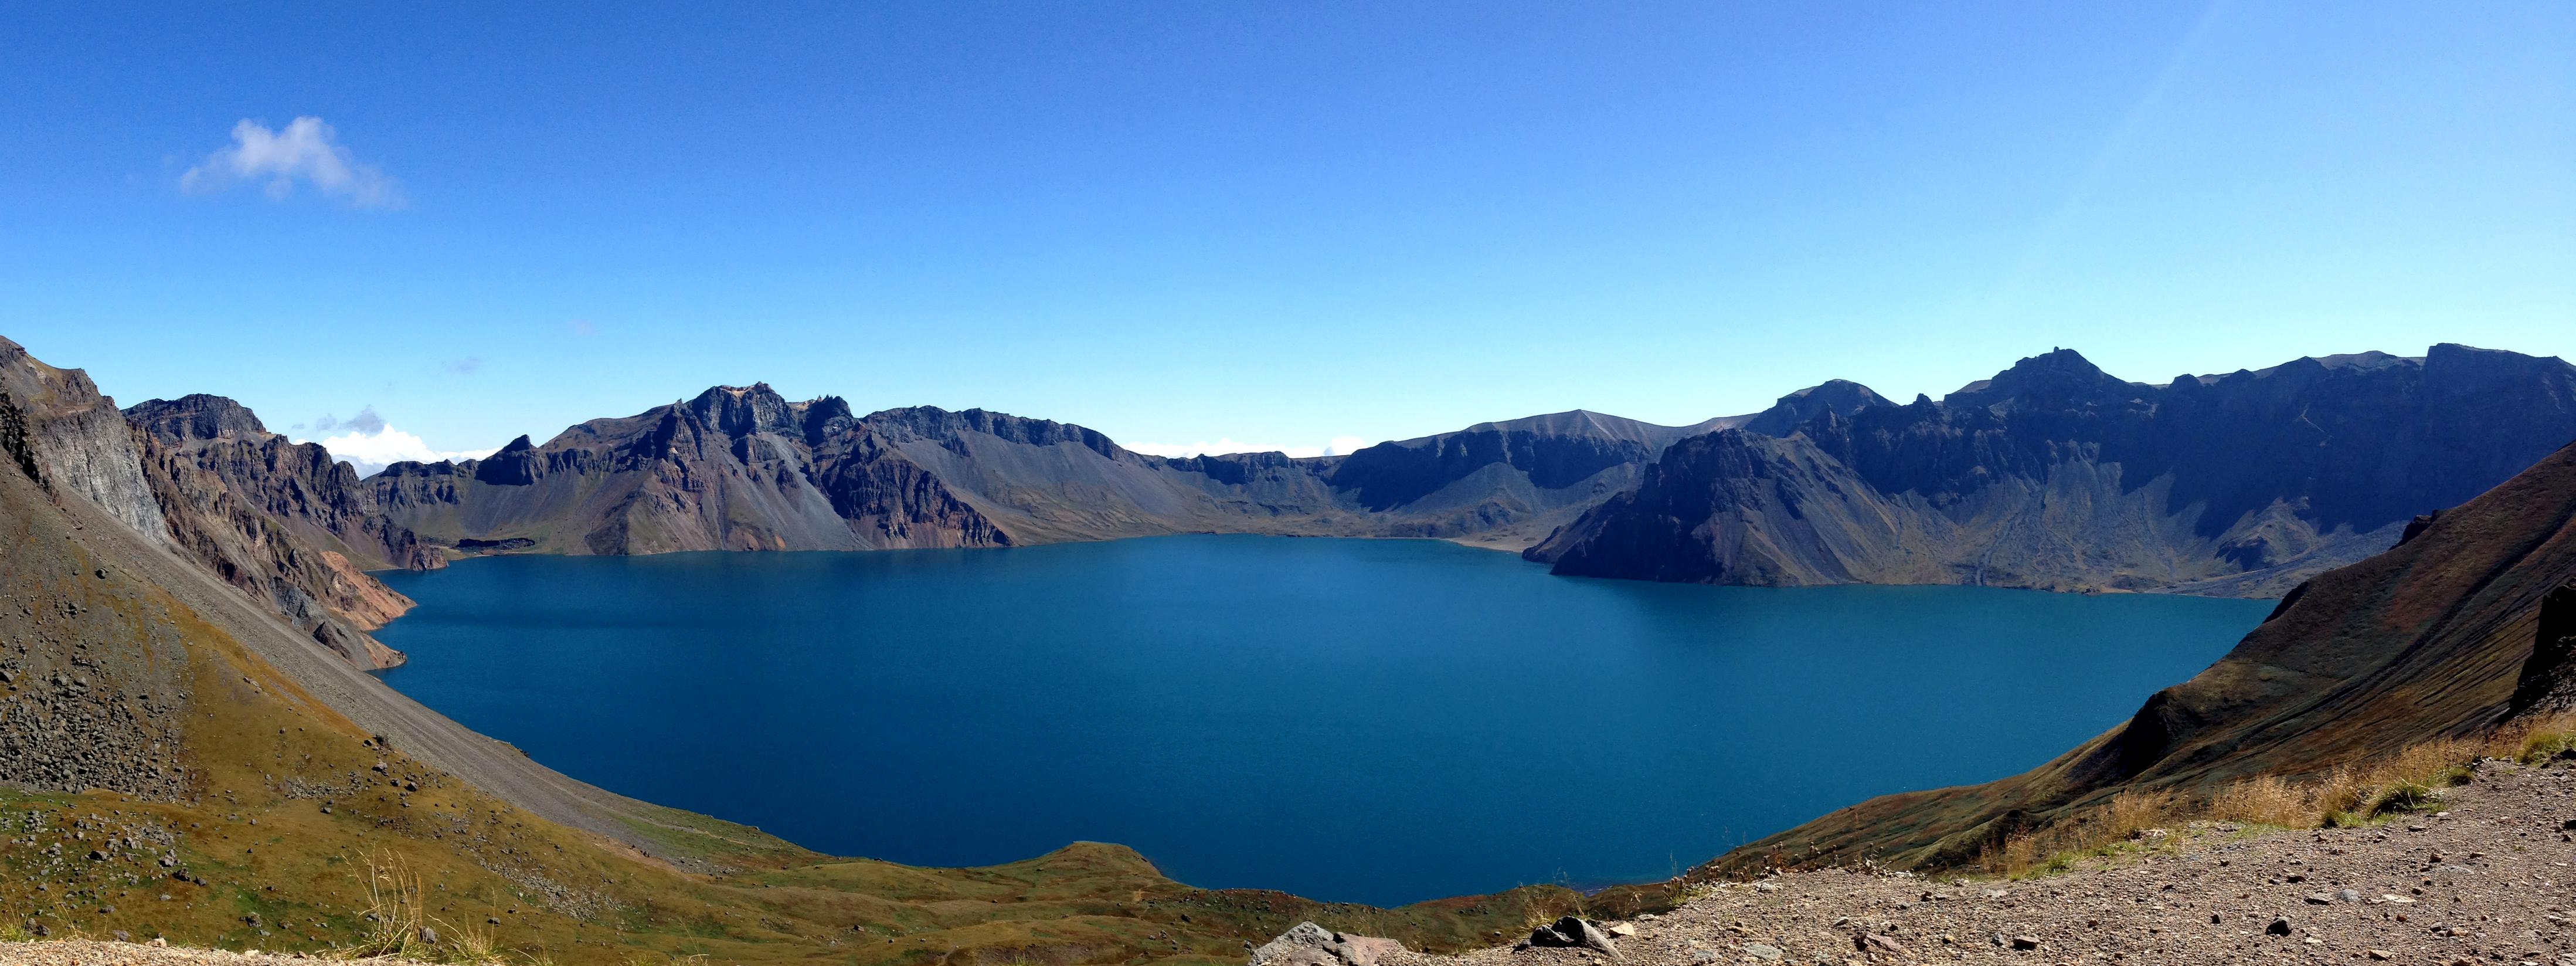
(2487, 881)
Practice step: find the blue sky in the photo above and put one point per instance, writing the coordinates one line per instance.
(1277, 224)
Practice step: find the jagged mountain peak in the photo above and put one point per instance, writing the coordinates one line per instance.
(744, 410)
(2058, 377)
(1841, 397)
(196, 417)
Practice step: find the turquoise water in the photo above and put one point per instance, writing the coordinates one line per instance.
(1352, 720)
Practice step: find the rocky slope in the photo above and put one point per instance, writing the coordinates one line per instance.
(2462, 626)
(2056, 475)
(151, 476)
(740, 468)
(282, 521)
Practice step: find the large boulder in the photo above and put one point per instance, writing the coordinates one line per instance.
(1307, 944)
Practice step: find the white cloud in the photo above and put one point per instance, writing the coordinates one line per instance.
(306, 150)
(1340, 446)
(372, 451)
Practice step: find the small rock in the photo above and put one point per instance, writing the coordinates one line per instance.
(1766, 887)
(1572, 932)
(428, 935)
(2025, 942)
(2280, 926)
(2320, 899)
(2379, 954)
(1621, 930)
(1874, 942)
(2348, 895)
(1763, 951)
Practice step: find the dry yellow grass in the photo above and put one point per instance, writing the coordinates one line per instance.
(2135, 810)
(2409, 780)
(2264, 800)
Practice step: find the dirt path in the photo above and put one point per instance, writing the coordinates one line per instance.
(2488, 881)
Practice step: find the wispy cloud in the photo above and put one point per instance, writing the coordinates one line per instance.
(305, 151)
(369, 443)
(1339, 446)
(463, 367)
(366, 421)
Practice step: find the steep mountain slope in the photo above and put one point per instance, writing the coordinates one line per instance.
(2055, 475)
(280, 520)
(297, 484)
(2465, 624)
(169, 491)
(741, 468)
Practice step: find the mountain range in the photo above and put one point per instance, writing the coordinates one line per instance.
(2051, 475)
(2058, 476)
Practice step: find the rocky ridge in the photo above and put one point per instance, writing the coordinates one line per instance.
(2055, 475)
(202, 477)
(742, 468)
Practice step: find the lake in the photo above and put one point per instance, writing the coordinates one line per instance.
(1380, 721)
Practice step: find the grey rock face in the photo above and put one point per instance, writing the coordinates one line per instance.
(79, 440)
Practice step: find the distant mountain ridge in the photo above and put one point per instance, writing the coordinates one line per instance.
(2050, 475)
(2056, 475)
(742, 468)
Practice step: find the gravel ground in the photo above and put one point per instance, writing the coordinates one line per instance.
(82, 952)
(2488, 880)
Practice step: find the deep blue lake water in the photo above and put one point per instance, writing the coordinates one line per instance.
(1380, 721)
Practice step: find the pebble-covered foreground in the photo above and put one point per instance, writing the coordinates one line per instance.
(82, 952)
(2487, 880)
